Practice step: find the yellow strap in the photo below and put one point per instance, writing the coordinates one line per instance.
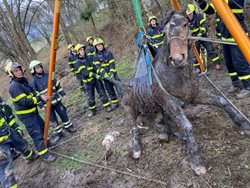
(2, 138)
(80, 68)
(35, 100)
(89, 54)
(19, 97)
(12, 122)
(92, 107)
(233, 74)
(237, 11)
(14, 186)
(19, 112)
(106, 104)
(28, 156)
(43, 151)
(244, 77)
(157, 36)
(2, 121)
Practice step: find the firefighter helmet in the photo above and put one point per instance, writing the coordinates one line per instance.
(12, 66)
(88, 38)
(70, 46)
(33, 64)
(78, 47)
(190, 9)
(98, 41)
(150, 18)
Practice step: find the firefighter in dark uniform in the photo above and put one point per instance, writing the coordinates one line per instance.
(198, 26)
(25, 103)
(9, 139)
(236, 63)
(105, 59)
(40, 84)
(155, 34)
(72, 58)
(91, 80)
(90, 49)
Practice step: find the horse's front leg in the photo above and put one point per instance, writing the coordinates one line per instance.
(206, 97)
(170, 107)
(131, 116)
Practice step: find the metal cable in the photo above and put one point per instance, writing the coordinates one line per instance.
(212, 40)
(112, 169)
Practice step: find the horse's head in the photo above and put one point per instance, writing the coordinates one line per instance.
(177, 32)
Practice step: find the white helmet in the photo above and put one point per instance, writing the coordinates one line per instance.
(33, 64)
(10, 67)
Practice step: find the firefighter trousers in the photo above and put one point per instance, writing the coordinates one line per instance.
(61, 110)
(237, 65)
(90, 92)
(35, 127)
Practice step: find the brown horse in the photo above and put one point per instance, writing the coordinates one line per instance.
(173, 65)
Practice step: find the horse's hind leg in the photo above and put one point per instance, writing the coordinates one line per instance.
(205, 97)
(178, 116)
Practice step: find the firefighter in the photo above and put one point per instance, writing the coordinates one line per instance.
(105, 59)
(155, 34)
(90, 50)
(91, 80)
(236, 63)
(25, 102)
(72, 60)
(40, 84)
(9, 139)
(198, 26)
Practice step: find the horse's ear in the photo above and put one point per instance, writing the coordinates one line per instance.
(167, 17)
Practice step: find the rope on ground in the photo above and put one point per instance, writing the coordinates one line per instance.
(72, 138)
(212, 40)
(236, 108)
(112, 169)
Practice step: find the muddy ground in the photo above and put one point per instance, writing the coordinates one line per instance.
(227, 153)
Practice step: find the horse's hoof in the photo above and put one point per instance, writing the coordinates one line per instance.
(136, 154)
(198, 169)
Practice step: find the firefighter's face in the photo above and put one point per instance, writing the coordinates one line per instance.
(91, 41)
(153, 21)
(99, 47)
(190, 16)
(82, 51)
(17, 72)
(39, 69)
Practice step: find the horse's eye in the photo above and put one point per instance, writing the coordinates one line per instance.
(185, 25)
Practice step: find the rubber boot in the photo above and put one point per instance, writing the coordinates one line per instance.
(33, 157)
(49, 158)
(71, 129)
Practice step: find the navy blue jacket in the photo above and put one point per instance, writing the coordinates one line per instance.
(237, 8)
(104, 59)
(85, 69)
(40, 84)
(71, 60)
(23, 96)
(156, 35)
(198, 24)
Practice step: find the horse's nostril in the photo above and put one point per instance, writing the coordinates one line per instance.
(170, 57)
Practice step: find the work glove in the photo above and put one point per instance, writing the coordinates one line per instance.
(97, 76)
(2, 156)
(106, 75)
(19, 130)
